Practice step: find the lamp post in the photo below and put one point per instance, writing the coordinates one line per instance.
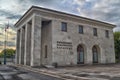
(4, 46)
(6, 36)
(5, 49)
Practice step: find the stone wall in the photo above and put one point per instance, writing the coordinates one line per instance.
(64, 56)
(87, 39)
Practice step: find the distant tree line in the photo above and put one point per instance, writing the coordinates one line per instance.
(9, 53)
(117, 45)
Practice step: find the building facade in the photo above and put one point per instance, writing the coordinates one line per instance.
(46, 37)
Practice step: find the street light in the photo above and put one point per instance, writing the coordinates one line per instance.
(4, 46)
(5, 49)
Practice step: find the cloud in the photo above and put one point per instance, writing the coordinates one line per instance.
(14, 17)
(10, 44)
(49, 2)
(1, 43)
(13, 38)
(9, 15)
(103, 10)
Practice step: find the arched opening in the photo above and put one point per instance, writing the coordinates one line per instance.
(80, 54)
(95, 51)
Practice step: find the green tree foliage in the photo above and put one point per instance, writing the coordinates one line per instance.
(9, 53)
(117, 45)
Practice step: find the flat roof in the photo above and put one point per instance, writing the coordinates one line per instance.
(36, 7)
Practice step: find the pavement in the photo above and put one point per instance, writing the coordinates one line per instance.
(84, 72)
(8, 72)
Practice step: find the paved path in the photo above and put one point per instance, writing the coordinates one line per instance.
(91, 72)
(15, 73)
(83, 72)
(94, 72)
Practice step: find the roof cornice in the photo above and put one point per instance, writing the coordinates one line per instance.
(62, 13)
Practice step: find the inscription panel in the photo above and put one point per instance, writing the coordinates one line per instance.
(64, 45)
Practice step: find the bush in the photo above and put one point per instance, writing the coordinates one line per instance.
(9, 53)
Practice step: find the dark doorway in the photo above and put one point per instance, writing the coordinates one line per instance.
(80, 54)
(95, 54)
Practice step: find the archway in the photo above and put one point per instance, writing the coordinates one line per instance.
(80, 54)
(96, 54)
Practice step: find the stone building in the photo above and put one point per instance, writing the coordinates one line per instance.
(45, 37)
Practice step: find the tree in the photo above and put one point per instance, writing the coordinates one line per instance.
(9, 53)
(117, 45)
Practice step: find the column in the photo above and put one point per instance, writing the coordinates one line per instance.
(36, 41)
(21, 55)
(17, 47)
(22, 44)
(27, 57)
(25, 44)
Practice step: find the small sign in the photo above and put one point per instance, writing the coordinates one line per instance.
(64, 45)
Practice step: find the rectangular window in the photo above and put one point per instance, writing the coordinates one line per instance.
(95, 31)
(45, 51)
(106, 33)
(81, 29)
(64, 26)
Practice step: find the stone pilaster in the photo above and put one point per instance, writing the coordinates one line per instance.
(25, 44)
(21, 52)
(89, 56)
(22, 45)
(102, 56)
(27, 55)
(36, 41)
(17, 47)
(20, 41)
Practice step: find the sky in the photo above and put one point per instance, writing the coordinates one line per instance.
(12, 10)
